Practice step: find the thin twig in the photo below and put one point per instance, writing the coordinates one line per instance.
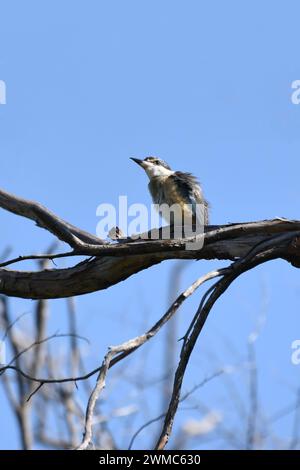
(135, 343)
(183, 398)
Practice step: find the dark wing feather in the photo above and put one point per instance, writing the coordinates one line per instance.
(190, 190)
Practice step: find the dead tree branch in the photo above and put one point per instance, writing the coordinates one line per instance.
(115, 262)
(257, 256)
(246, 244)
(135, 343)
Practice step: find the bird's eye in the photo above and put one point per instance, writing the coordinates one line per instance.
(156, 162)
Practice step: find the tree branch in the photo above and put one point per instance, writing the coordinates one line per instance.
(135, 342)
(46, 219)
(258, 255)
(115, 262)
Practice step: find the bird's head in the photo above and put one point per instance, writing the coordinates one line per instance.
(154, 166)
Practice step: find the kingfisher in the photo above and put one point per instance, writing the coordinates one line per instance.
(168, 187)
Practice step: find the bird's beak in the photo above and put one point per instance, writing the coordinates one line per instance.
(139, 162)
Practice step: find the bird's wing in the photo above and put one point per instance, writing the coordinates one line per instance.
(190, 191)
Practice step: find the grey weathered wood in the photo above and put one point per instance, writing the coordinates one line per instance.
(116, 262)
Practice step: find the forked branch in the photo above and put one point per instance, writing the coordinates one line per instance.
(116, 261)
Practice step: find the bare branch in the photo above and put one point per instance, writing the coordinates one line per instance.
(183, 398)
(248, 262)
(116, 262)
(49, 256)
(135, 342)
(44, 218)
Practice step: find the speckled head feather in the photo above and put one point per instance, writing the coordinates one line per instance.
(157, 161)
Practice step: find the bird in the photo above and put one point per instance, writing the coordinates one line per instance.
(168, 187)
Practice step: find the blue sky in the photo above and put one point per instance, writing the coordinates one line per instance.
(204, 85)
